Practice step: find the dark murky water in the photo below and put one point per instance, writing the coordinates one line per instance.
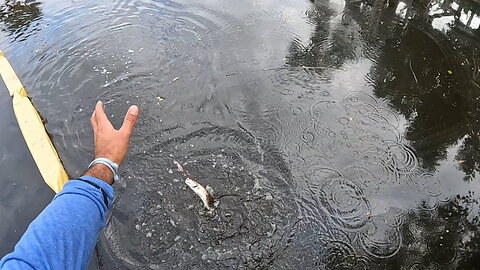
(24, 194)
(335, 135)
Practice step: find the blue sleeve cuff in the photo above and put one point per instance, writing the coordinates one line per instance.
(105, 195)
(108, 189)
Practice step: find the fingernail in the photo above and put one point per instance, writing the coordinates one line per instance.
(133, 110)
(99, 102)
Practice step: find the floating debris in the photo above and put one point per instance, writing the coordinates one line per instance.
(160, 99)
(174, 79)
(180, 168)
(449, 72)
(413, 72)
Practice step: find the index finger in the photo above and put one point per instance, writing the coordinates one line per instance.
(100, 115)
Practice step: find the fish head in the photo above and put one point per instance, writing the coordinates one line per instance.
(191, 183)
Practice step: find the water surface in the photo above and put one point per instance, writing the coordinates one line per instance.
(335, 135)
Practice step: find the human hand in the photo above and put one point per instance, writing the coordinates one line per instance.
(109, 142)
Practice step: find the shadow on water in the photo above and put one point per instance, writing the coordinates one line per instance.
(335, 134)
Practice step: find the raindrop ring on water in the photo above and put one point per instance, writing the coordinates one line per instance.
(400, 159)
(345, 203)
(381, 241)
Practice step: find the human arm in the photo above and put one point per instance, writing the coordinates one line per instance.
(63, 236)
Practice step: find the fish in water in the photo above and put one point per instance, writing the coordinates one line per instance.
(202, 192)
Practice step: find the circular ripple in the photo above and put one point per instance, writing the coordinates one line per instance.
(308, 137)
(393, 218)
(250, 184)
(318, 110)
(400, 159)
(425, 182)
(360, 97)
(364, 178)
(105, 50)
(345, 203)
(380, 240)
(341, 255)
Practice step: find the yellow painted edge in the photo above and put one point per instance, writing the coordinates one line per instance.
(9, 76)
(33, 131)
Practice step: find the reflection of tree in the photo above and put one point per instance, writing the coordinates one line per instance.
(469, 156)
(413, 75)
(430, 77)
(332, 43)
(466, 6)
(17, 16)
(311, 54)
(446, 238)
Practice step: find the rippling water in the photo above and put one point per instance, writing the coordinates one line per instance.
(335, 135)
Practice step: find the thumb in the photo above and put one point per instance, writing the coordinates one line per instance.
(130, 120)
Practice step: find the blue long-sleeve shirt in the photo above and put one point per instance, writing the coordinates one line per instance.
(63, 236)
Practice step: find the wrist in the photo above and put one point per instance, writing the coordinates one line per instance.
(114, 158)
(112, 166)
(102, 172)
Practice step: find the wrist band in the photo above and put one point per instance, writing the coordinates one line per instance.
(110, 164)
